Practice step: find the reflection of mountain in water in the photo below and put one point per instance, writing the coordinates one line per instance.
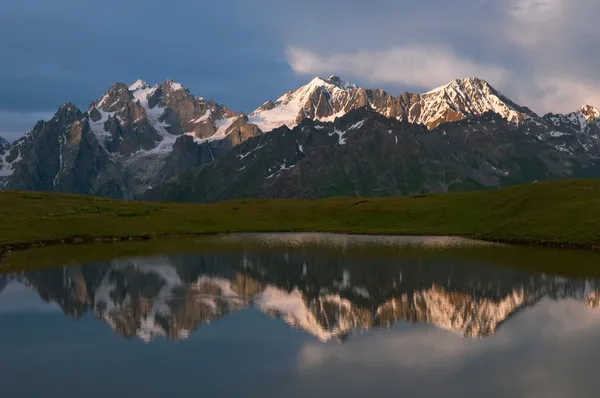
(329, 297)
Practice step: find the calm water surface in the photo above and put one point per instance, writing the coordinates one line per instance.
(303, 316)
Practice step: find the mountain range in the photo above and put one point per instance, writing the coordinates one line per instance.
(326, 138)
(329, 298)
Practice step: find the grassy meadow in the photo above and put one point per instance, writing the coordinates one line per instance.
(558, 213)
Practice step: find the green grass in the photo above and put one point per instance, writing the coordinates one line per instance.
(562, 213)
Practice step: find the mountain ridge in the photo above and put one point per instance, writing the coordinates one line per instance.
(137, 137)
(363, 153)
(324, 99)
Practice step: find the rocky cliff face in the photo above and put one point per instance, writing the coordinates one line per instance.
(62, 155)
(329, 298)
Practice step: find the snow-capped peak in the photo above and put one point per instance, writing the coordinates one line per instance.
(332, 83)
(456, 83)
(320, 99)
(465, 97)
(139, 85)
(324, 99)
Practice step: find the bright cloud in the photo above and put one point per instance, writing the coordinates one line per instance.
(416, 65)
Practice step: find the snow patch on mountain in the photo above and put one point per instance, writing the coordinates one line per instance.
(139, 85)
(340, 134)
(7, 168)
(222, 132)
(281, 168)
(97, 127)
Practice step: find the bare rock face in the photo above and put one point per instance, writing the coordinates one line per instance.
(241, 130)
(60, 155)
(188, 114)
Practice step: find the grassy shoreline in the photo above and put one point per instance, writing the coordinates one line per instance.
(564, 213)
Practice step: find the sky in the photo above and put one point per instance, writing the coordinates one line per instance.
(541, 53)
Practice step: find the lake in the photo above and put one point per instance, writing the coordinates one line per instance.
(301, 315)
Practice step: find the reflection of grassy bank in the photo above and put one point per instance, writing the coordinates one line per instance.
(562, 213)
(569, 263)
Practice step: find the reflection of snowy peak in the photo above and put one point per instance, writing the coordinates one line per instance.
(328, 317)
(172, 297)
(149, 299)
(457, 312)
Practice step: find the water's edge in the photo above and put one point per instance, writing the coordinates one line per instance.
(11, 247)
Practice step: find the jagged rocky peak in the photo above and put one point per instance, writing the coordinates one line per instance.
(67, 114)
(591, 113)
(170, 86)
(338, 82)
(331, 83)
(115, 98)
